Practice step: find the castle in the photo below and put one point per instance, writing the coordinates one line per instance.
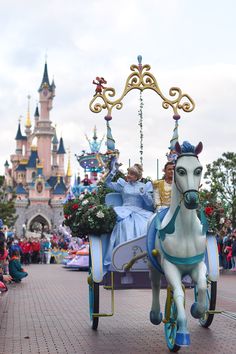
(37, 173)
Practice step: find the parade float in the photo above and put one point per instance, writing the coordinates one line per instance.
(85, 210)
(158, 250)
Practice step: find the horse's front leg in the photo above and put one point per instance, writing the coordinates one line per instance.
(155, 314)
(199, 277)
(174, 278)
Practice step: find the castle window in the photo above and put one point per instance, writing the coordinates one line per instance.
(39, 187)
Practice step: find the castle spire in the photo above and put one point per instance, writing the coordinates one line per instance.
(69, 172)
(61, 149)
(45, 80)
(95, 133)
(94, 145)
(36, 113)
(19, 135)
(28, 122)
(54, 139)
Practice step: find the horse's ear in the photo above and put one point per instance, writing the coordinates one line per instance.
(178, 148)
(198, 148)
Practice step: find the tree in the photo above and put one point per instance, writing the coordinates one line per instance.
(221, 178)
(7, 205)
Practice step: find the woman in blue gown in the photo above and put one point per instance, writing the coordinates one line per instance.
(135, 212)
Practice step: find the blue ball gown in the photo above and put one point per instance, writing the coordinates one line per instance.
(132, 216)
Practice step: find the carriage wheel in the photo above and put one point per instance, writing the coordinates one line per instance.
(206, 320)
(93, 302)
(171, 325)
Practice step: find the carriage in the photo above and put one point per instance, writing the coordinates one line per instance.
(158, 251)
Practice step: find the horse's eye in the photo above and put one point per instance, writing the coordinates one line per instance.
(181, 171)
(198, 171)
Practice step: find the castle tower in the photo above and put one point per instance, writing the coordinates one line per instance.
(44, 131)
(19, 140)
(61, 152)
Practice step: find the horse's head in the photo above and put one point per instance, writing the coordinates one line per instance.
(187, 174)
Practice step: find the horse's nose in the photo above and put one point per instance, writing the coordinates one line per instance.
(191, 200)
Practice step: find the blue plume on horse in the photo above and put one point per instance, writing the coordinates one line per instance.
(187, 148)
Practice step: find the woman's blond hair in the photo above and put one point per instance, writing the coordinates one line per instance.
(137, 170)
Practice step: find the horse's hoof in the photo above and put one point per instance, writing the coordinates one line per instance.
(195, 312)
(182, 339)
(155, 317)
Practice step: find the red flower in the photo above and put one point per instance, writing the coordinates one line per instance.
(75, 206)
(209, 211)
(66, 216)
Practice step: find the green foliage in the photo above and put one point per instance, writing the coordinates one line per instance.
(215, 211)
(88, 213)
(7, 206)
(221, 178)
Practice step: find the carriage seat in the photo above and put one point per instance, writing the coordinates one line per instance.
(114, 199)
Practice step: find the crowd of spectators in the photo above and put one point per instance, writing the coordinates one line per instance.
(226, 240)
(18, 252)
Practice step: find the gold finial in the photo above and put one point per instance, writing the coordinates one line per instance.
(69, 171)
(28, 122)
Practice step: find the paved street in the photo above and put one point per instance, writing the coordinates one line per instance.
(48, 313)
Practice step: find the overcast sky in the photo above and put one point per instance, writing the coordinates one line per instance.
(189, 44)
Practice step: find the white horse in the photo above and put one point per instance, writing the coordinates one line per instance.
(180, 242)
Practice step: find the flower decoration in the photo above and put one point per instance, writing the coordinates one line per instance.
(88, 214)
(214, 214)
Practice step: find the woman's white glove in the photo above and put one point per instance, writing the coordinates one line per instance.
(114, 166)
(146, 193)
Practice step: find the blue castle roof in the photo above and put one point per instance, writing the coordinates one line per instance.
(45, 79)
(60, 187)
(52, 181)
(54, 139)
(21, 167)
(20, 189)
(33, 159)
(19, 135)
(61, 149)
(36, 114)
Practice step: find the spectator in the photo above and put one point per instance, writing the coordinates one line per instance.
(47, 250)
(233, 259)
(3, 254)
(14, 246)
(35, 246)
(15, 268)
(86, 181)
(26, 251)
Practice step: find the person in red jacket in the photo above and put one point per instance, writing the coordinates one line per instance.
(35, 251)
(26, 251)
